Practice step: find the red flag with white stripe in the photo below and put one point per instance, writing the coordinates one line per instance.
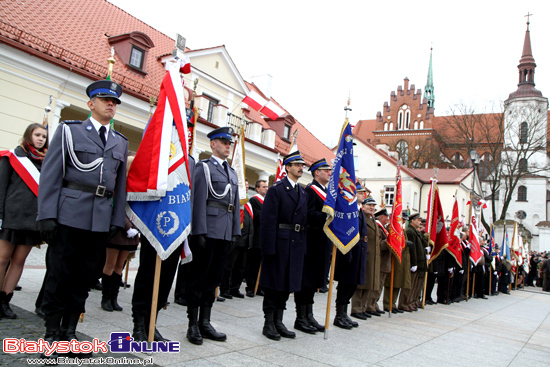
(254, 100)
(475, 248)
(272, 111)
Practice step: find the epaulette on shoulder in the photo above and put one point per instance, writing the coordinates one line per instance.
(119, 133)
(277, 183)
(204, 160)
(71, 122)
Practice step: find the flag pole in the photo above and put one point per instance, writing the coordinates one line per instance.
(470, 219)
(258, 279)
(330, 283)
(391, 285)
(154, 302)
(429, 225)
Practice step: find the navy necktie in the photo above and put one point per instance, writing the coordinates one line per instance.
(226, 168)
(102, 130)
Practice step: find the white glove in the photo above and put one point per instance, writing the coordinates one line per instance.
(413, 269)
(495, 273)
(435, 272)
(428, 249)
(450, 270)
(131, 233)
(468, 245)
(428, 257)
(461, 271)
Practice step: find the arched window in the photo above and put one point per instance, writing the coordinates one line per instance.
(458, 160)
(523, 132)
(385, 126)
(391, 126)
(523, 165)
(407, 119)
(403, 152)
(400, 120)
(421, 125)
(522, 193)
(485, 166)
(416, 125)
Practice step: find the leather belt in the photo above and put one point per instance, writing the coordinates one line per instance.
(293, 227)
(98, 190)
(230, 208)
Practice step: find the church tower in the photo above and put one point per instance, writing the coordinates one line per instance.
(429, 89)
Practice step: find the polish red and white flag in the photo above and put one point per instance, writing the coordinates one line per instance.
(272, 111)
(254, 100)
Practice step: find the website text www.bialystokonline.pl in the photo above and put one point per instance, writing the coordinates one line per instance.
(92, 361)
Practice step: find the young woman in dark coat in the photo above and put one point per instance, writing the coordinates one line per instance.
(18, 209)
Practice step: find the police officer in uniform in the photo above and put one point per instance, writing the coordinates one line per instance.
(216, 222)
(81, 204)
(143, 287)
(317, 259)
(283, 237)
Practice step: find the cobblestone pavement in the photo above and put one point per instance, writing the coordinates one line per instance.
(506, 330)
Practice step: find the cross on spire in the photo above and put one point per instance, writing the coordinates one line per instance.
(528, 15)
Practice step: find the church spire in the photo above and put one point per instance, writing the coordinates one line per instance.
(526, 84)
(429, 89)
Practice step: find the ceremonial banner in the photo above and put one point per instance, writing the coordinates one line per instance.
(435, 224)
(281, 173)
(396, 239)
(254, 100)
(342, 225)
(454, 248)
(271, 110)
(237, 162)
(159, 190)
(475, 248)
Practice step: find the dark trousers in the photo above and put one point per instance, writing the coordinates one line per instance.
(253, 261)
(274, 300)
(304, 296)
(181, 281)
(344, 292)
(480, 282)
(442, 287)
(143, 288)
(233, 274)
(74, 262)
(456, 283)
(205, 271)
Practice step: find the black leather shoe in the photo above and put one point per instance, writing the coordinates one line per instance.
(250, 294)
(373, 313)
(381, 312)
(237, 294)
(226, 295)
(39, 313)
(260, 292)
(181, 301)
(483, 297)
(220, 299)
(366, 315)
(359, 316)
(269, 329)
(194, 335)
(206, 329)
(323, 290)
(398, 310)
(17, 288)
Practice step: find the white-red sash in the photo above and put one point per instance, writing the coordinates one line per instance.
(248, 208)
(381, 226)
(259, 197)
(319, 191)
(24, 168)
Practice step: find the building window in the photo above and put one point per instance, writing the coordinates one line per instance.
(407, 119)
(136, 57)
(212, 103)
(523, 133)
(391, 126)
(421, 125)
(385, 126)
(416, 125)
(403, 152)
(523, 165)
(522, 193)
(286, 132)
(389, 192)
(458, 161)
(400, 120)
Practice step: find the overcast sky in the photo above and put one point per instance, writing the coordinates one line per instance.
(319, 52)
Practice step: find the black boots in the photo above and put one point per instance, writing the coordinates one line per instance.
(311, 319)
(193, 332)
(269, 327)
(5, 310)
(340, 319)
(106, 293)
(68, 331)
(206, 329)
(140, 329)
(116, 280)
(109, 293)
(281, 328)
(302, 323)
(53, 325)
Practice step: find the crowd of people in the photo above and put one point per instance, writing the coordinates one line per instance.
(275, 243)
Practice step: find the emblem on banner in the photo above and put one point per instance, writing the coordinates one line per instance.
(164, 220)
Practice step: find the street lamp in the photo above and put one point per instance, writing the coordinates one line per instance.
(475, 160)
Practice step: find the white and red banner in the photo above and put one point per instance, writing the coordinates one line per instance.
(435, 224)
(475, 248)
(254, 100)
(454, 247)
(24, 168)
(272, 111)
